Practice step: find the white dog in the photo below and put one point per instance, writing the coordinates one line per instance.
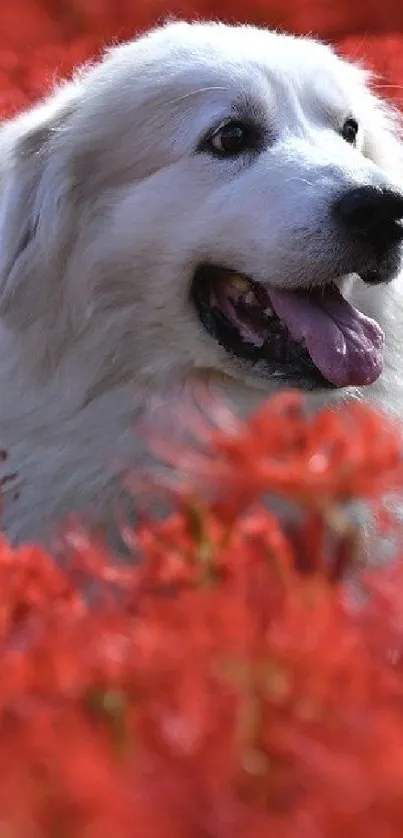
(198, 207)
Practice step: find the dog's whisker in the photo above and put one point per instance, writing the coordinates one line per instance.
(199, 90)
(299, 179)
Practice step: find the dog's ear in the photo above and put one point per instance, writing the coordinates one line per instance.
(35, 221)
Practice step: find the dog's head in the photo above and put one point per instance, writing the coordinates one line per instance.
(201, 200)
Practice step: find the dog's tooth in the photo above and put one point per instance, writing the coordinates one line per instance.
(268, 311)
(251, 298)
(240, 283)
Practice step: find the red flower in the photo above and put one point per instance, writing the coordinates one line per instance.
(214, 688)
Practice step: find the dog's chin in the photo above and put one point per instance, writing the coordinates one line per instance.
(313, 340)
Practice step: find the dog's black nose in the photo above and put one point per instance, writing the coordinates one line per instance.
(372, 214)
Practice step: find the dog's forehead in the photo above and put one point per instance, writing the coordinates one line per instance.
(176, 83)
(245, 59)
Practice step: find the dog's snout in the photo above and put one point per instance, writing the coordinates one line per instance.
(372, 214)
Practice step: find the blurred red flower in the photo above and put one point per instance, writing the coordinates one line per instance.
(45, 39)
(236, 681)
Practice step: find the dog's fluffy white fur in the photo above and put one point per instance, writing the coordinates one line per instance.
(106, 210)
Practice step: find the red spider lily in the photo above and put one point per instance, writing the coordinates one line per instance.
(214, 688)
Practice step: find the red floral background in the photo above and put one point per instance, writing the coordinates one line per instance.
(235, 683)
(41, 38)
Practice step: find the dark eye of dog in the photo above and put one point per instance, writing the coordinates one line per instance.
(350, 130)
(232, 139)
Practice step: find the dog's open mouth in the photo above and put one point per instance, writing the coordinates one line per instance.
(317, 337)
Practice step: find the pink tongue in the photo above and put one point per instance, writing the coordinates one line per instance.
(344, 345)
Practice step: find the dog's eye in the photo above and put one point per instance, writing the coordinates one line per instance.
(231, 139)
(350, 130)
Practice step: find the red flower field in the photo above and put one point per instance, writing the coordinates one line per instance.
(235, 682)
(41, 39)
(245, 678)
